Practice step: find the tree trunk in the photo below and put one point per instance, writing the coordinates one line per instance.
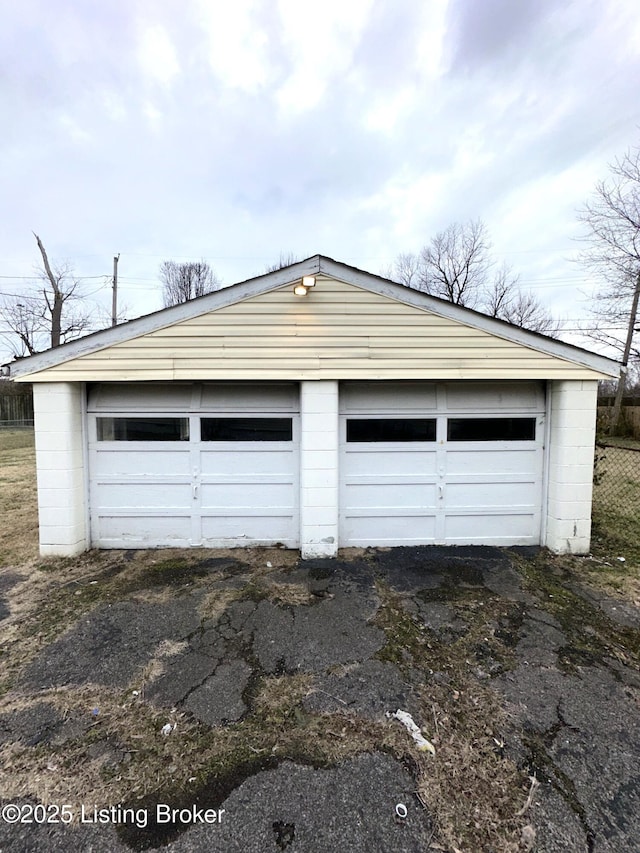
(56, 307)
(617, 405)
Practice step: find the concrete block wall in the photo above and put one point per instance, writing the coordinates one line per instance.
(572, 408)
(62, 506)
(319, 468)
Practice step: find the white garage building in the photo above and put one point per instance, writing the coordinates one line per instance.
(353, 412)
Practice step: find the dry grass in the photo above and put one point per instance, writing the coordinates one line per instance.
(123, 756)
(474, 793)
(18, 502)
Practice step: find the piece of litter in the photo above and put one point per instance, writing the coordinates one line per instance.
(621, 560)
(95, 712)
(401, 811)
(136, 692)
(92, 583)
(168, 728)
(406, 719)
(269, 565)
(192, 778)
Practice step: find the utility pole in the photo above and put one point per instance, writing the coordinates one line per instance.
(114, 298)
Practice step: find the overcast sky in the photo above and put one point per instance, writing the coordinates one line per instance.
(235, 130)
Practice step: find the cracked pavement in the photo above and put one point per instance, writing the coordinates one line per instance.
(573, 717)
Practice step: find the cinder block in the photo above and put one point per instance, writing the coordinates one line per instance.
(319, 422)
(62, 549)
(319, 549)
(566, 509)
(57, 439)
(320, 478)
(570, 492)
(320, 516)
(59, 479)
(320, 496)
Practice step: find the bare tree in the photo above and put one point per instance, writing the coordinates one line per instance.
(457, 265)
(526, 311)
(500, 292)
(408, 269)
(182, 282)
(285, 259)
(48, 315)
(612, 220)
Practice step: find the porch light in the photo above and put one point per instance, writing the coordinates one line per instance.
(302, 288)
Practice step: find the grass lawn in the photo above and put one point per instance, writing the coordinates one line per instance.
(616, 519)
(18, 502)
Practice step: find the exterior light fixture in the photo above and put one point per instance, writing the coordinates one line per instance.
(302, 288)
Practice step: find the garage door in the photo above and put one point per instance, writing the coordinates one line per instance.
(445, 463)
(193, 464)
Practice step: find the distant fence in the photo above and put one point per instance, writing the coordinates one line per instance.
(616, 482)
(16, 410)
(630, 420)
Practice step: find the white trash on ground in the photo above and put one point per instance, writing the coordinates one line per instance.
(406, 719)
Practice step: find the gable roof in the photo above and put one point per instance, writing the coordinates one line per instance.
(156, 345)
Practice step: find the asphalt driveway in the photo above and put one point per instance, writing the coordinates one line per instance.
(243, 704)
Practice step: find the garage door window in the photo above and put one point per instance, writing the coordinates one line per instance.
(391, 429)
(143, 429)
(491, 429)
(246, 429)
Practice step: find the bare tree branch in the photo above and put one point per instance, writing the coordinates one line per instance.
(182, 282)
(408, 269)
(285, 259)
(456, 263)
(612, 221)
(49, 317)
(457, 266)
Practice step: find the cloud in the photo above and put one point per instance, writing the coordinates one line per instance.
(356, 129)
(157, 56)
(237, 42)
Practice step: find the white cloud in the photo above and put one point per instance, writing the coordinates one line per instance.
(157, 56)
(153, 115)
(319, 39)
(73, 130)
(236, 43)
(114, 106)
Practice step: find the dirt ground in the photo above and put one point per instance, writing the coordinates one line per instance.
(243, 700)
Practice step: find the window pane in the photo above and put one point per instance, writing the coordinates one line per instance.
(491, 429)
(391, 429)
(143, 429)
(246, 429)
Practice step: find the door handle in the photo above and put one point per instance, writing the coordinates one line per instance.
(440, 490)
(194, 490)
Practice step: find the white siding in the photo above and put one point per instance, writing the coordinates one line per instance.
(338, 331)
